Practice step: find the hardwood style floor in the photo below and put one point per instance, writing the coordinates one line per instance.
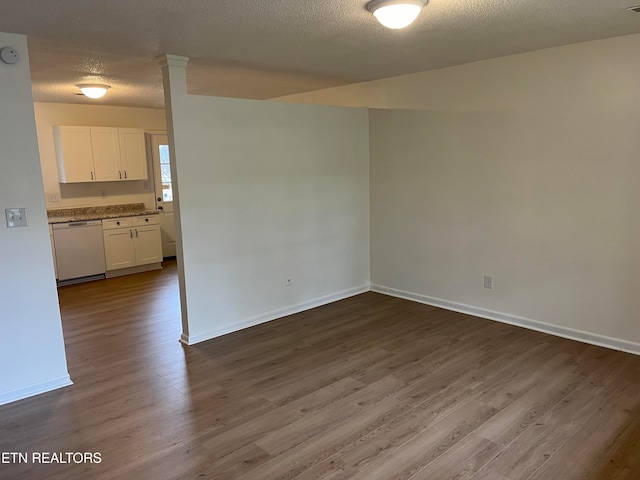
(372, 387)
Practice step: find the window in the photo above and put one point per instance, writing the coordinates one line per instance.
(165, 168)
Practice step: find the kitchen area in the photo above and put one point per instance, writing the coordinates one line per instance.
(103, 242)
(105, 219)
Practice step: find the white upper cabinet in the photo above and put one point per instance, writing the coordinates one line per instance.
(132, 154)
(74, 153)
(100, 154)
(106, 154)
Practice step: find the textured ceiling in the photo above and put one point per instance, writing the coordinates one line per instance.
(270, 48)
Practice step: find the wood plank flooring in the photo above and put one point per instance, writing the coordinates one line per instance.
(372, 387)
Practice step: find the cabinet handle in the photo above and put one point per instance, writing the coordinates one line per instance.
(120, 175)
(91, 176)
(130, 234)
(136, 233)
(125, 174)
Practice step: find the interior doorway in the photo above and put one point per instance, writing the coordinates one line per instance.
(161, 167)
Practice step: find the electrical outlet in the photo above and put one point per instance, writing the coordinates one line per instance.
(488, 281)
(16, 217)
(288, 282)
(53, 197)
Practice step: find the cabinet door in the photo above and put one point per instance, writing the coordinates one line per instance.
(148, 244)
(119, 249)
(133, 154)
(106, 154)
(74, 154)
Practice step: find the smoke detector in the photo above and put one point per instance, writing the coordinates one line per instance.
(9, 55)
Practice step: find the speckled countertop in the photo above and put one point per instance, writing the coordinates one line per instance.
(80, 214)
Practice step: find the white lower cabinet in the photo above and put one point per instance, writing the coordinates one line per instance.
(132, 241)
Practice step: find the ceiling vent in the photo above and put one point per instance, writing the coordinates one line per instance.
(635, 9)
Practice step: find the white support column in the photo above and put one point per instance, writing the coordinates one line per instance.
(174, 77)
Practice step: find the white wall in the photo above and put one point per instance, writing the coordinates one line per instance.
(49, 115)
(525, 168)
(559, 77)
(32, 357)
(268, 191)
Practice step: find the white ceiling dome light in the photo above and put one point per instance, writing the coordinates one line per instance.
(396, 14)
(93, 90)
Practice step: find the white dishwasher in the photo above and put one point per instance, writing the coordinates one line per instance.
(79, 250)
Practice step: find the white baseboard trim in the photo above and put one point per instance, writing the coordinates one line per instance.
(34, 389)
(557, 330)
(192, 339)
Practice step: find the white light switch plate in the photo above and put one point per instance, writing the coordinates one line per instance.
(16, 217)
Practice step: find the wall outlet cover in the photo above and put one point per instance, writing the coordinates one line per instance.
(16, 217)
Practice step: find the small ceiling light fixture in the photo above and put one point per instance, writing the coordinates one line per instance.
(396, 14)
(93, 90)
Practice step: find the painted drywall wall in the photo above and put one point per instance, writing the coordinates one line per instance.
(49, 115)
(546, 204)
(32, 357)
(524, 168)
(559, 76)
(267, 192)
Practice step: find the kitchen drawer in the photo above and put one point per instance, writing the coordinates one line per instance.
(147, 220)
(111, 223)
